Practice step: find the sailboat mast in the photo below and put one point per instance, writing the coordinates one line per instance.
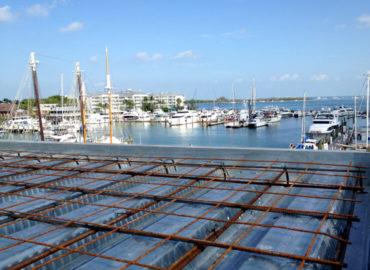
(367, 110)
(33, 63)
(355, 123)
(232, 87)
(82, 103)
(303, 130)
(254, 96)
(109, 88)
(61, 92)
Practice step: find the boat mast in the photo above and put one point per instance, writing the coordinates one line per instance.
(367, 110)
(232, 88)
(33, 63)
(109, 88)
(303, 130)
(82, 103)
(254, 97)
(61, 92)
(355, 124)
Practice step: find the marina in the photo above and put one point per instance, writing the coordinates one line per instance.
(212, 135)
(208, 133)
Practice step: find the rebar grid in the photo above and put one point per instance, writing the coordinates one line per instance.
(201, 176)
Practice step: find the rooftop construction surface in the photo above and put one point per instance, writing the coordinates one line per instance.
(79, 206)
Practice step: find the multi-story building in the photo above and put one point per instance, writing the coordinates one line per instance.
(169, 99)
(99, 101)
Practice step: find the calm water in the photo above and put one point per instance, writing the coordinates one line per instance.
(278, 136)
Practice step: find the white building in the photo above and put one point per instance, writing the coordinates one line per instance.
(95, 102)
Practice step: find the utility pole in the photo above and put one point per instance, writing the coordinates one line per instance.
(33, 63)
(82, 103)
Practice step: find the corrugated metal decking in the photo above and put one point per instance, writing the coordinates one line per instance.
(160, 212)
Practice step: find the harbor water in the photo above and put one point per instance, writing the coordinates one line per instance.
(279, 135)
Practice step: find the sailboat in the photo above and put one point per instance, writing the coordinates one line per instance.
(233, 122)
(111, 139)
(306, 143)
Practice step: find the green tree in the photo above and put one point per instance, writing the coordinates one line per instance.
(178, 104)
(191, 104)
(222, 99)
(129, 104)
(103, 106)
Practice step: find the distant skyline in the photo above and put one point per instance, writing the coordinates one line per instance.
(197, 48)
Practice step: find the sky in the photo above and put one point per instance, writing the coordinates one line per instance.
(198, 48)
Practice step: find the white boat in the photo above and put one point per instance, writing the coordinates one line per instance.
(183, 117)
(159, 116)
(272, 118)
(96, 118)
(235, 123)
(285, 113)
(143, 117)
(323, 125)
(309, 144)
(297, 113)
(66, 137)
(344, 111)
(257, 122)
(106, 139)
(21, 124)
(130, 116)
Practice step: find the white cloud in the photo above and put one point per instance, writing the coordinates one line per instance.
(186, 54)
(240, 33)
(94, 59)
(38, 10)
(75, 26)
(285, 77)
(6, 15)
(340, 26)
(235, 34)
(363, 20)
(319, 77)
(145, 57)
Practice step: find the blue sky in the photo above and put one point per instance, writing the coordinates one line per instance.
(198, 48)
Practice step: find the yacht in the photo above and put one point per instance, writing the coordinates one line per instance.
(272, 118)
(258, 121)
(159, 116)
(130, 116)
(323, 125)
(183, 117)
(96, 118)
(308, 144)
(285, 113)
(233, 122)
(297, 113)
(143, 117)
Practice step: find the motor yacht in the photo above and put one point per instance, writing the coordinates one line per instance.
(183, 117)
(323, 125)
(258, 121)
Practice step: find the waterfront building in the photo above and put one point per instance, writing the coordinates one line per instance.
(96, 102)
(68, 113)
(5, 109)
